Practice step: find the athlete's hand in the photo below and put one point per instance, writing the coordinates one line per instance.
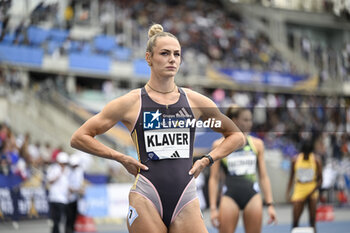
(214, 217)
(132, 165)
(197, 167)
(272, 215)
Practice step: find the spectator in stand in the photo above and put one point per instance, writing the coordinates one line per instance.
(345, 146)
(55, 152)
(58, 179)
(5, 168)
(306, 47)
(3, 134)
(213, 33)
(4, 28)
(10, 153)
(68, 16)
(76, 182)
(46, 152)
(9, 141)
(24, 153)
(34, 153)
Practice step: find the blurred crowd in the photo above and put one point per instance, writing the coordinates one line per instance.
(205, 29)
(332, 62)
(284, 121)
(21, 156)
(207, 32)
(208, 35)
(338, 8)
(62, 174)
(281, 120)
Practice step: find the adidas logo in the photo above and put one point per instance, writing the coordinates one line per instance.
(183, 113)
(175, 155)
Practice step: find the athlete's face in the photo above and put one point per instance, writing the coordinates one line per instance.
(244, 121)
(166, 58)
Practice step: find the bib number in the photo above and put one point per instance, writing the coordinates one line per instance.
(132, 215)
(241, 164)
(167, 144)
(305, 175)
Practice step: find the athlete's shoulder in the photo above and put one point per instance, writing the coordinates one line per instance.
(124, 102)
(135, 93)
(129, 97)
(317, 158)
(297, 157)
(258, 143)
(192, 93)
(199, 99)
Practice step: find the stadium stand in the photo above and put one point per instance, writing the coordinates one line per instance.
(225, 58)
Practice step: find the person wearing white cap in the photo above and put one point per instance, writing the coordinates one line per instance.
(57, 177)
(76, 180)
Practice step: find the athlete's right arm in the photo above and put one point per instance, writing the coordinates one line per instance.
(207, 109)
(213, 191)
(115, 111)
(291, 179)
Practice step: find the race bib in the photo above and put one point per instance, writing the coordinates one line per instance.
(167, 144)
(241, 163)
(305, 175)
(132, 215)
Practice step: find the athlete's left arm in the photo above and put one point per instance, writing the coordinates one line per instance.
(264, 179)
(234, 139)
(319, 176)
(319, 172)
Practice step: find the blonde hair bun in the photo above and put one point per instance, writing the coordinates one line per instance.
(154, 29)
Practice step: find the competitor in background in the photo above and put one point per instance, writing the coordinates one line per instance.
(241, 187)
(306, 174)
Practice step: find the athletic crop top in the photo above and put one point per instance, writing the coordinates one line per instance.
(242, 162)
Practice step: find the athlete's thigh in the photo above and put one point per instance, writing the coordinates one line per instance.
(189, 219)
(228, 215)
(143, 216)
(252, 214)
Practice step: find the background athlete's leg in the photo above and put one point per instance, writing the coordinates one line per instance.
(228, 215)
(298, 207)
(189, 220)
(312, 212)
(252, 215)
(143, 216)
